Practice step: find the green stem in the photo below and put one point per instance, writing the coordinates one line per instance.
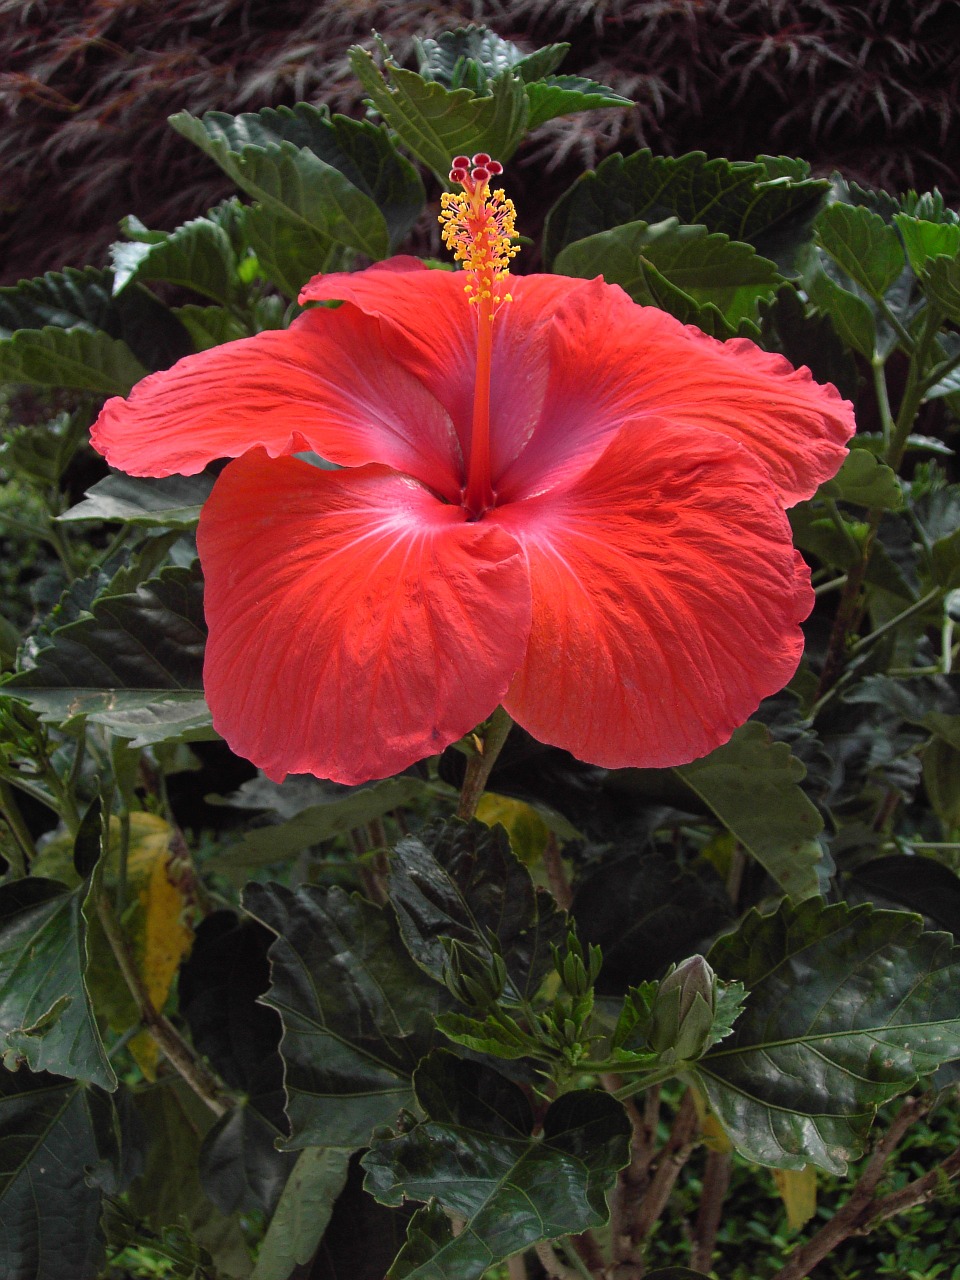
(906, 338)
(833, 585)
(912, 393)
(883, 399)
(938, 373)
(480, 765)
(23, 848)
(917, 607)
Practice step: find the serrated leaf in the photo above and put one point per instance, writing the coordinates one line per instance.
(930, 701)
(443, 59)
(46, 1017)
(941, 285)
(73, 358)
(288, 253)
(57, 1145)
(851, 316)
(173, 502)
(669, 298)
(846, 1009)
(209, 326)
(293, 162)
(461, 880)
(738, 198)
(356, 1011)
(566, 95)
(342, 809)
(476, 1156)
(302, 1213)
(708, 268)
(527, 829)
(198, 255)
(437, 124)
(136, 652)
(751, 784)
(925, 240)
(862, 244)
(865, 481)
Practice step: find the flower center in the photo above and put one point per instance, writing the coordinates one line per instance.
(478, 227)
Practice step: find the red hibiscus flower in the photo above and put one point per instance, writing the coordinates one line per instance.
(550, 498)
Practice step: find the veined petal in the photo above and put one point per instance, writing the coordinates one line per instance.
(431, 328)
(326, 384)
(357, 623)
(667, 598)
(612, 362)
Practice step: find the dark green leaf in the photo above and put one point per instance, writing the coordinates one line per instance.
(173, 502)
(443, 59)
(645, 912)
(676, 1273)
(914, 883)
(58, 1143)
(127, 663)
(845, 1009)
(752, 785)
(865, 481)
(355, 1011)
(566, 95)
(240, 1167)
(302, 1213)
(288, 253)
(708, 268)
(462, 881)
(74, 358)
(851, 316)
(62, 299)
(739, 198)
(209, 326)
(668, 297)
(476, 1156)
(862, 244)
(941, 285)
(808, 337)
(341, 178)
(437, 124)
(46, 1018)
(930, 701)
(198, 255)
(342, 809)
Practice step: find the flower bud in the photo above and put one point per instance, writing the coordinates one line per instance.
(476, 977)
(682, 1014)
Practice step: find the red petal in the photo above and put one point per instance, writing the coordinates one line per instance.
(666, 600)
(357, 623)
(613, 362)
(431, 329)
(325, 384)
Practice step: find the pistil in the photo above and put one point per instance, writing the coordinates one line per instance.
(479, 226)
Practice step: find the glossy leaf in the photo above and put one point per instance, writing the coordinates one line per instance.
(851, 316)
(565, 95)
(462, 881)
(752, 785)
(866, 481)
(46, 1018)
(73, 358)
(198, 255)
(924, 240)
(708, 268)
(171, 503)
(58, 1147)
(326, 175)
(933, 702)
(846, 1008)
(866, 247)
(342, 809)
(437, 124)
(745, 200)
(288, 253)
(356, 1011)
(302, 1213)
(444, 58)
(134, 653)
(475, 1155)
(240, 1167)
(913, 883)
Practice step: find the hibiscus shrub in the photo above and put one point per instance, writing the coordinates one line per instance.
(493, 764)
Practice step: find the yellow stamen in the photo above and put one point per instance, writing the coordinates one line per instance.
(479, 226)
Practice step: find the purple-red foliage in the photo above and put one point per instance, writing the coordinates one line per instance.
(86, 86)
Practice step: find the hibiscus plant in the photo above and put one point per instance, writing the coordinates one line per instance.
(485, 756)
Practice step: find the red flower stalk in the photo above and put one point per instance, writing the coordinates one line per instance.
(550, 498)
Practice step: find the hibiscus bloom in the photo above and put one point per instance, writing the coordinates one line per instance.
(549, 498)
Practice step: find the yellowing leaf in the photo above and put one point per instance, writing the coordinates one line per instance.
(527, 830)
(798, 1191)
